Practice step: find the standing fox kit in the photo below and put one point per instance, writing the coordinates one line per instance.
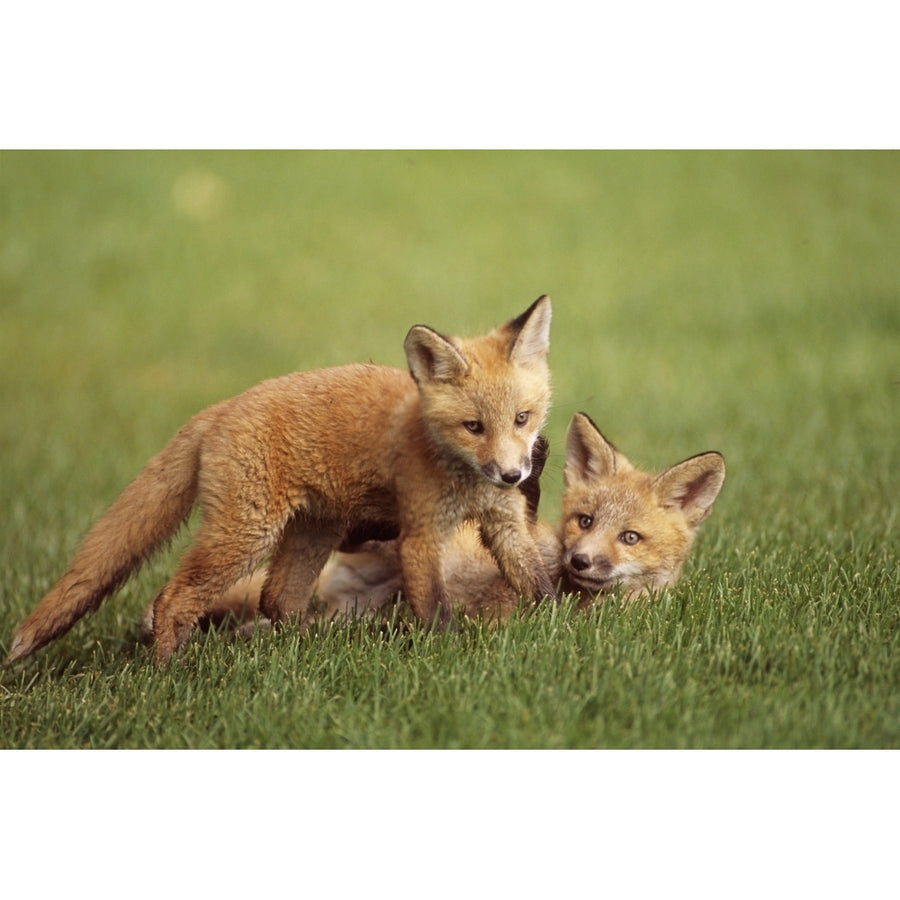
(295, 466)
(622, 529)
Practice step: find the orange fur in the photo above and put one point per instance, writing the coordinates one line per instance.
(297, 465)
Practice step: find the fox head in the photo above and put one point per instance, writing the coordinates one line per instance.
(485, 399)
(627, 528)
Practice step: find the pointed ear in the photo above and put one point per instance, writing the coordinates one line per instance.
(589, 455)
(692, 485)
(530, 334)
(432, 357)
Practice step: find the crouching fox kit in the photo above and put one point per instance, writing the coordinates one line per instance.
(298, 465)
(622, 529)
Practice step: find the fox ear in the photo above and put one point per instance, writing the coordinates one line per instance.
(589, 455)
(530, 334)
(692, 485)
(432, 357)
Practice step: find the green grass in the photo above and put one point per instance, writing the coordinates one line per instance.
(744, 302)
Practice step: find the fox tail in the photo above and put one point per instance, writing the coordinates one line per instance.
(146, 514)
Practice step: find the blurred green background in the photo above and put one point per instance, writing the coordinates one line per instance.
(747, 302)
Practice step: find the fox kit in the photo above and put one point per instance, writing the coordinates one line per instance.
(298, 465)
(622, 529)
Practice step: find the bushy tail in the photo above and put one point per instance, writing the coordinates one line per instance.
(147, 513)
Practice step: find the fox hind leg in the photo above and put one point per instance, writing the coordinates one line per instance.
(205, 572)
(299, 558)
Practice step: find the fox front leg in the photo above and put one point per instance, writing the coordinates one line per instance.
(423, 583)
(518, 557)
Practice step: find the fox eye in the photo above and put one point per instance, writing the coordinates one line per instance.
(585, 522)
(474, 427)
(629, 537)
(521, 418)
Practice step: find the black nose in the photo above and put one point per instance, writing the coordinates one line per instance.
(512, 477)
(580, 562)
